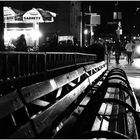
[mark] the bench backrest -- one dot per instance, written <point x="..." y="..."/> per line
<point x="33" y="109"/>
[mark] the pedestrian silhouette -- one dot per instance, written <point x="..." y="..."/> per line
<point x="108" y="50"/>
<point x="117" y="49"/>
<point x="21" y="43"/>
<point x="129" y="51"/>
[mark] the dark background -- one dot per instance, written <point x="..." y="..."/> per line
<point x="130" y="14"/>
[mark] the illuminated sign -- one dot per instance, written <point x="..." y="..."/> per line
<point x="38" y="15"/>
<point x="92" y="19"/>
<point x="32" y="15"/>
<point x="95" y="19"/>
<point x="117" y="15"/>
<point x="65" y="38"/>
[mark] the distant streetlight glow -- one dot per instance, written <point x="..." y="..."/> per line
<point x="85" y="31"/>
<point x="92" y="33"/>
<point x="35" y="35"/>
<point x="134" y="37"/>
<point x="138" y="49"/>
<point x="137" y="9"/>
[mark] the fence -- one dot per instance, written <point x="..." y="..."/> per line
<point x="19" y="64"/>
<point x="18" y="69"/>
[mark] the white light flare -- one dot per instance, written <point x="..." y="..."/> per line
<point x="85" y="31"/>
<point x="138" y="49"/>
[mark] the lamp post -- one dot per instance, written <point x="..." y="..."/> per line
<point x="86" y="32"/>
<point x="117" y="15"/>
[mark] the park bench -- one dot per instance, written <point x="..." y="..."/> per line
<point x="35" y="111"/>
<point x="109" y="111"/>
<point x="117" y="116"/>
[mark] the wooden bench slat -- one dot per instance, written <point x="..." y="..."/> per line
<point x="106" y="110"/>
<point x="113" y="119"/>
<point x="26" y="131"/>
<point x="10" y="103"/>
<point x="46" y="118"/>
<point x="84" y="101"/>
<point x="105" y="124"/>
<point x="97" y="123"/>
<point x="41" y="103"/>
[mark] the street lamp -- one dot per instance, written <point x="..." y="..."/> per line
<point x="85" y="31"/>
<point x="92" y="33"/>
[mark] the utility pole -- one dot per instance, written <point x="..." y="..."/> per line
<point x="82" y="23"/>
<point x="84" y="20"/>
<point x="1" y="27"/>
<point x="91" y="27"/>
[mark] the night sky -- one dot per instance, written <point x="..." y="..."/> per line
<point x="130" y="16"/>
<point x="27" y="5"/>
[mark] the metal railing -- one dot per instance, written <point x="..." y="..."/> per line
<point x="18" y="64"/>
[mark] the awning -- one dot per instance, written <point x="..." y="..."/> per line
<point x="38" y="15"/>
<point x="12" y="15"/>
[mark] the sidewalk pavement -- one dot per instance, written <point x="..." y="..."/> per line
<point x="132" y="70"/>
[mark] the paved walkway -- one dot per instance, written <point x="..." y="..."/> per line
<point x="132" y="71"/>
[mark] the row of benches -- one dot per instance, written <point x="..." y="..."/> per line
<point x="38" y="110"/>
<point x="110" y="110"/>
<point x="117" y="114"/>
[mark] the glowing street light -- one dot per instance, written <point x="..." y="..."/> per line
<point x="138" y="49"/>
<point x="92" y="33"/>
<point x="85" y="31"/>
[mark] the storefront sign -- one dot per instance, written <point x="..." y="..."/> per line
<point x="38" y="15"/>
<point x="65" y="38"/>
<point x="32" y="15"/>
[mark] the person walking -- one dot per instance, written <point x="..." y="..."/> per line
<point x="108" y="51"/>
<point x="129" y="51"/>
<point x="21" y="44"/>
<point x="117" y="49"/>
<point x="133" y="52"/>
